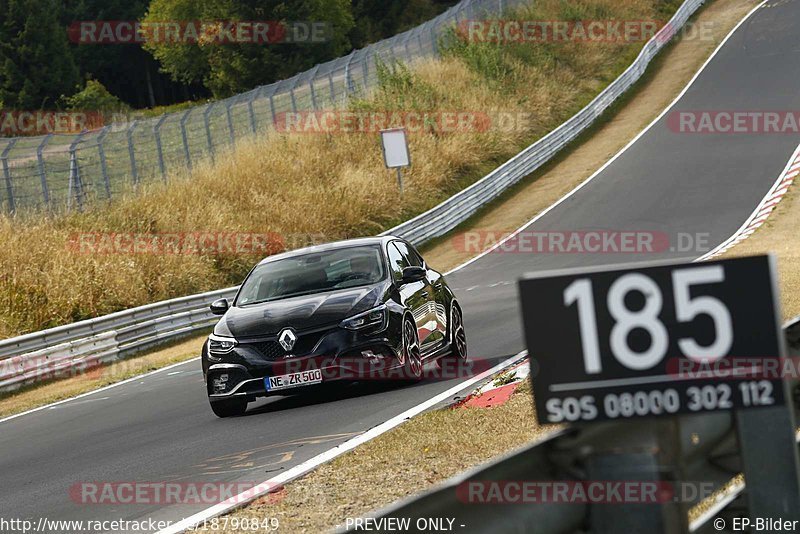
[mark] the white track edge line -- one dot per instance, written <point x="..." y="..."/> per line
<point x="500" y="243"/>
<point x="104" y="388"/>
<point x="622" y="151"/>
<point x="332" y="453"/>
<point x="738" y="235"/>
<point x="309" y="465"/>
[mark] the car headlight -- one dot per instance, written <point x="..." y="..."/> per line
<point x="376" y="317"/>
<point x="219" y="346"/>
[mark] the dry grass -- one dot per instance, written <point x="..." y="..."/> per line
<point x="346" y="487"/>
<point x="42" y="394"/>
<point x="538" y="191"/>
<point x="428" y="449"/>
<point x="330" y="186"/>
<point x="779" y="235"/>
<point x="672" y="71"/>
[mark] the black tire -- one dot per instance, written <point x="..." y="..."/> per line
<point x="229" y="407"/>
<point x="458" y="337"/>
<point x="412" y="358"/>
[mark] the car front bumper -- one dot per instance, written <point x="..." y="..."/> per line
<point x="243" y="373"/>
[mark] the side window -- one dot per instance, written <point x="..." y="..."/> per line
<point x="396" y="261"/>
<point x="415" y="257"/>
<point x="409" y="255"/>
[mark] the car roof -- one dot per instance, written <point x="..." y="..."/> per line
<point x="362" y="241"/>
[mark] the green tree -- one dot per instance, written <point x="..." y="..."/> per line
<point x="95" y="97"/>
<point x="126" y="70"/>
<point x="227" y="69"/>
<point x="36" y="65"/>
<point x="379" y="19"/>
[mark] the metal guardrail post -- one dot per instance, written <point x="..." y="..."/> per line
<point x="272" y="104"/>
<point x="459" y="12"/>
<point x="313" y="77"/>
<point x="349" y="87"/>
<point x="185" y="139"/>
<point x="434" y="39"/>
<point x="159" y="148"/>
<point x="75" y="182"/>
<point x="102" y="155"/>
<point x="291" y="93"/>
<point x="41" y="168"/>
<point x="365" y="68"/>
<point x="228" y="103"/>
<point x="207" y="126"/>
<point x="250" y="110"/>
<point x="420" y="42"/>
<point x="405" y="47"/>
<point x="131" y="153"/>
<point x="392" y="55"/>
<point x="7" y="175"/>
<point x="333" y="90"/>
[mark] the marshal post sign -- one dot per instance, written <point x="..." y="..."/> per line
<point x="617" y="343"/>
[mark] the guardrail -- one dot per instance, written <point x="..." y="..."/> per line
<point x="58" y="172"/>
<point x="696" y="452"/>
<point x="33" y="357"/>
<point x="458" y="208"/>
<point x="74" y="348"/>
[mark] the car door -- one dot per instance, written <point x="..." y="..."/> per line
<point x="440" y="297"/>
<point x="416" y="296"/>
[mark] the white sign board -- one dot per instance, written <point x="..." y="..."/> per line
<point x="395" y="148"/>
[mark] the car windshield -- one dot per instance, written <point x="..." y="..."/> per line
<point x="312" y="273"/>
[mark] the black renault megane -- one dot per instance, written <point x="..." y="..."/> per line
<point x="352" y="310"/>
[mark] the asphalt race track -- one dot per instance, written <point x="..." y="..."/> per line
<point x="160" y="428"/>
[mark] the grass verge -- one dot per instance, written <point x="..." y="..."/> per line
<point x="436" y="445"/>
<point x="427" y="449"/>
<point x="779" y="235"/>
<point x="669" y="74"/>
<point x="297" y="185"/>
<point x="45" y="281"/>
<point x="37" y="395"/>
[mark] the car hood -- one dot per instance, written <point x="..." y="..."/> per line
<point x="300" y="313"/>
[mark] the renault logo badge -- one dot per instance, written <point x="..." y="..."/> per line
<point x="287" y="339"/>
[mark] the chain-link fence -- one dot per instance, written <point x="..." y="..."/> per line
<point x="57" y="172"/>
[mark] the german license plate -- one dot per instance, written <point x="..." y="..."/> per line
<point x="293" y="380"/>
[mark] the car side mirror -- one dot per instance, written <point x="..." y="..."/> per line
<point x="219" y="307"/>
<point x="413" y="274"/>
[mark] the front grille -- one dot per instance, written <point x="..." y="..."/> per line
<point x="272" y="350"/>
